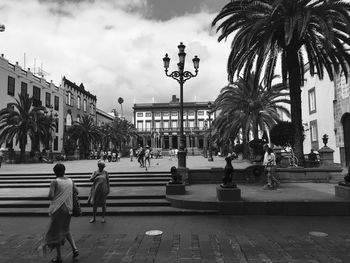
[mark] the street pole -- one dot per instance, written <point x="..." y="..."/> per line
<point x="181" y="76"/>
<point x="210" y="157"/>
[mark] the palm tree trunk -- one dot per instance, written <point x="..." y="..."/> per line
<point x="22" y="146"/>
<point x="295" y="102"/>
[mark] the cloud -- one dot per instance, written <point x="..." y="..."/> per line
<point x="114" y="50"/>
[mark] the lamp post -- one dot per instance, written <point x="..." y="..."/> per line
<point x="204" y="140"/>
<point x="210" y="157"/>
<point x="181" y="76"/>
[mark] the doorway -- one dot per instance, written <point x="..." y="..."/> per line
<point x="345" y="120"/>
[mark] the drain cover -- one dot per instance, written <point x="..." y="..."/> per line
<point x="318" y="234"/>
<point x="154" y="233"/>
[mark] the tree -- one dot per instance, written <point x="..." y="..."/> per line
<point x="121" y="101"/>
<point x="122" y="131"/>
<point x="247" y="106"/>
<point x="290" y="31"/>
<point x="84" y="133"/>
<point x="19" y="120"/>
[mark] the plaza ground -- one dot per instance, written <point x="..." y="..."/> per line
<point x="190" y="238"/>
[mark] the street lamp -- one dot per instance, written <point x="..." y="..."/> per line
<point x="181" y="76"/>
<point x="204" y="139"/>
<point x="210" y="157"/>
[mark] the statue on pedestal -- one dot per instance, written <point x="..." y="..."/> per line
<point x="228" y="173"/>
<point x="175" y="177"/>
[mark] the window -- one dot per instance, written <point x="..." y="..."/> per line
<point x="36" y="96"/>
<point x="157" y="114"/>
<point x="148" y="114"/>
<point x="84" y="105"/>
<point x="314" y="134"/>
<point x="191" y="113"/>
<point x="48" y="99"/>
<point x="166" y="125"/>
<point x="99" y="123"/>
<point x="78" y="103"/>
<point x="69" y="99"/>
<point x="91" y="109"/>
<point x="56" y="103"/>
<point x="166" y="113"/>
<point x="174" y="124"/>
<point x="313" y="131"/>
<point x="191" y="123"/>
<point x="139" y="114"/>
<point x="201" y="124"/>
<point x="201" y="112"/>
<point x="56" y="121"/>
<point x="174" y="113"/>
<point x="140" y="125"/>
<point x="148" y="125"/>
<point x="55" y="143"/>
<point x="157" y="124"/>
<point x="11" y="86"/>
<point x="24" y="88"/>
<point x="69" y="120"/>
<point x="312" y="101"/>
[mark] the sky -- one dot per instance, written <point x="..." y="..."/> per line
<point x="115" y="47"/>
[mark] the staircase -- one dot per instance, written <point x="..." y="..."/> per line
<point x="134" y="193"/>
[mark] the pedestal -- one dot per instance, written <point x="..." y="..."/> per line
<point x="326" y="156"/>
<point x="175" y="189"/>
<point x="228" y="194"/>
<point x="181" y="155"/>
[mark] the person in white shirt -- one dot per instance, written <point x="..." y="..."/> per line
<point x="270" y="167"/>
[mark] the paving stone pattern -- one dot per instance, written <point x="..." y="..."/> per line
<point x="185" y="247"/>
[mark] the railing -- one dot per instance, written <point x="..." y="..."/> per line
<point x="177" y="129"/>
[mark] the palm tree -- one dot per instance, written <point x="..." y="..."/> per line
<point x="290" y="31"/>
<point x="19" y="120"/>
<point x="122" y="131"/>
<point x="84" y="133"/>
<point x="246" y="106"/>
<point x="120" y="101"/>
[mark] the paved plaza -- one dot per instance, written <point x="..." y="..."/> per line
<point x="184" y="238"/>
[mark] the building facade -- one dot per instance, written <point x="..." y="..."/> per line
<point x="341" y="104"/>
<point x="317" y="113"/>
<point x="14" y="80"/>
<point x="158" y="124"/>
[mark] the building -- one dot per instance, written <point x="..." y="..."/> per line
<point x="103" y="117"/>
<point x="317" y="113"/>
<point x="14" y="80"/>
<point x="341" y="104"/>
<point x="158" y="124"/>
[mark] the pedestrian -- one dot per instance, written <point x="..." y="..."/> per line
<point x="131" y="154"/>
<point x="141" y="157"/>
<point x="60" y="210"/>
<point x="147" y="156"/>
<point x="270" y="168"/>
<point x="170" y="154"/>
<point x="109" y="155"/>
<point x="99" y="190"/>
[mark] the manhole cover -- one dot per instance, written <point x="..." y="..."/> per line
<point x="318" y="234"/>
<point x="154" y="233"/>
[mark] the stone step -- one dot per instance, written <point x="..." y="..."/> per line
<point x="83" y="203"/>
<point x="87" y="211"/>
<point x="84" y="176"/>
<point x="48" y="180"/>
<point x="87" y="184"/>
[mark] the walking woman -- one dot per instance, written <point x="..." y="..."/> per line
<point x="270" y="166"/>
<point x="99" y="190"/>
<point x="60" y="210"/>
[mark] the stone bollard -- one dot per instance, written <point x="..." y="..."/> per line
<point x="326" y="156"/>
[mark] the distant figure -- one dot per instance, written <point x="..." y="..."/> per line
<point x="147" y="156"/>
<point x="131" y="154"/>
<point x="175" y="153"/>
<point x="175" y="177"/>
<point x="60" y="210"/>
<point x="228" y="173"/>
<point x="141" y="157"/>
<point x="312" y="158"/>
<point x="109" y="155"/>
<point x="270" y="167"/>
<point x="99" y="190"/>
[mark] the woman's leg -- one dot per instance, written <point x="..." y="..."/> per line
<point x="94" y="209"/>
<point x="71" y="241"/>
<point x="58" y="252"/>
<point x="103" y="213"/>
